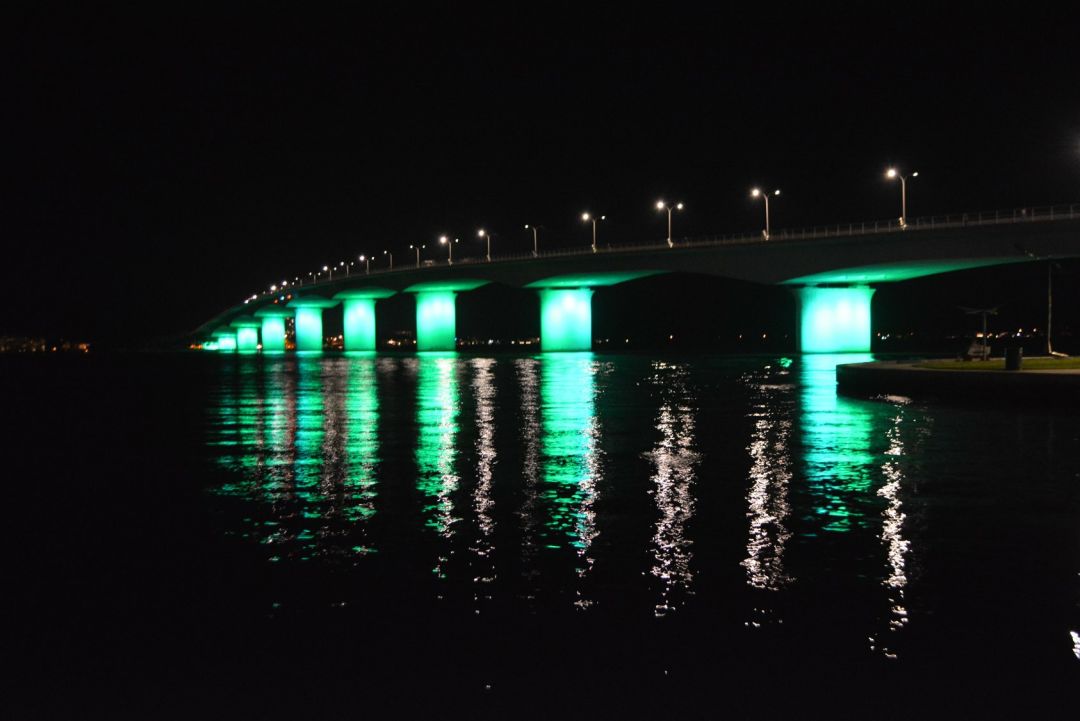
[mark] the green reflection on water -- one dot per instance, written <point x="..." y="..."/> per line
<point x="837" y="454"/>
<point x="437" y="410"/>
<point x="361" y="437"/>
<point x="568" y="448"/>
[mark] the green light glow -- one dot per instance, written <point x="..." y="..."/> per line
<point x="894" y="272"/>
<point x="226" y="341"/>
<point x="566" y="319"/>
<point x="247" y="339"/>
<point x="834" y="320"/>
<point x="359" y="324"/>
<point x="362" y="442"/>
<point x="591" y="280"/>
<point x="568" y="448"/>
<point x="309" y="333"/>
<point x="436" y="321"/>
<point x="437" y="410"/>
<point x="273" y="334"/>
<point x="458" y="286"/>
<point x="837" y="445"/>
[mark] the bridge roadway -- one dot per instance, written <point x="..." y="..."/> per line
<point x="832" y="272"/>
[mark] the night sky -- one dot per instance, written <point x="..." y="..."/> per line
<point x="160" y="168"/>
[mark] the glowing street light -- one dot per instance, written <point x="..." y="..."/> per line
<point x="417" y="248"/>
<point x="757" y="193"/>
<point x="367" y="263"/>
<point x="536" y="241"/>
<point x="894" y="173"/>
<point x="388" y="253"/>
<point x="661" y="205"/>
<point x="585" y="217"/>
<point x="486" y="235"/>
<point x="328" y="269"/>
<point x="443" y="240"/>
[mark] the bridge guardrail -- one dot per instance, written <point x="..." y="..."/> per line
<point x="839" y="230"/>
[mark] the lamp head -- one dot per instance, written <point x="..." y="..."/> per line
<point x="755" y="192"/>
<point x="660" y="205"/>
<point x="890" y="173"/>
<point x="585" y="216"/>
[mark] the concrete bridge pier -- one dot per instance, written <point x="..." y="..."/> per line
<point x="309" y="321"/>
<point x="273" y="327"/>
<point x="565" y="319"/>
<point x="833" y="318"/>
<point x="566" y="307"/>
<point x="247" y="334"/>
<point x="358" y="316"/>
<point x="226" y="340"/>
<point x="436" y="312"/>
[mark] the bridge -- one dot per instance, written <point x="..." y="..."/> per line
<point x="832" y="271"/>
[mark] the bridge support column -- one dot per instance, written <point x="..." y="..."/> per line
<point x="309" y="333"/>
<point x="834" y="319"/>
<point x="359" y="323"/>
<point x="273" y="334"/>
<point x="226" y="341"/>
<point x="309" y="326"/>
<point x="566" y="319"/>
<point x="358" y="316"/>
<point x="436" y="320"/>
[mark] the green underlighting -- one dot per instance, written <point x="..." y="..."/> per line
<point x="247" y="339"/>
<point x="226" y="341"/>
<point x="358" y="319"/>
<point x="436" y="320"/>
<point x="591" y="280"/>
<point x="895" y="272"/>
<point x="273" y="334"/>
<point x="309" y="332"/>
<point x="834" y="320"/>
<point x="457" y="286"/>
<point x="566" y="319"/>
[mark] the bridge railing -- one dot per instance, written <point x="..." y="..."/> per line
<point x="875" y="227"/>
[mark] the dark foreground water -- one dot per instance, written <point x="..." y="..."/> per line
<point x="561" y="536"/>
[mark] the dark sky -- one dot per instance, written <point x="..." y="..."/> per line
<point x="160" y="168"/>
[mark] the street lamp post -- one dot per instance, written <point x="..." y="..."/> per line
<point x="487" y="236"/>
<point x="417" y="248"/>
<point x="756" y="192"/>
<point x="536" y="239"/>
<point x="661" y="205"/>
<point x="391" y="255"/>
<point x="366" y="260"/>
<point x="328" y="269"/>
<point x="587" y="218"/>
<point x="449" y="248"/>
<point x="894" y="173"/>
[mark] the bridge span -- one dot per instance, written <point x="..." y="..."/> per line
<point x="832" y="271"/>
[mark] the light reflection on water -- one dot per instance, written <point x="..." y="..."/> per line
<point x="498" y="465"/>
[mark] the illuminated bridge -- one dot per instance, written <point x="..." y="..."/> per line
<point x="832" y="272"/>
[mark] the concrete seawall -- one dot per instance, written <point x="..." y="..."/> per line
<point x="1031" y="387"/>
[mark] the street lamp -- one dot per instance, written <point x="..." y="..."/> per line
<point x="387" y="252"/>
<point x="536" y="240"/>
<point x="661" y="205"/>
<point x="367" y="263"/>
<point x="757" y="193"/>
<point x="443" y="240"/>
<point x="893" y="173"/>
<point x="417" y="248"/>
<point x="585" y="217"/>
<point x="486" y="235"/>
<point x="327" y="268"/>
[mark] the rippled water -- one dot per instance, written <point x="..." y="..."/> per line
<point x="492" y="533"/>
